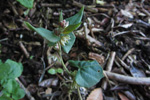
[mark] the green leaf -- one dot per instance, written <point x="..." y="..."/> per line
<point x="76" y="18"/>
<point x="89" y="72"/>
<point x="3" y="97"/>
<point x="10" y="86"/>
<point x="1" y="62"/>
<point x="18" y="94"/>
<point x="59" y="70"/>
<point x="13" y="88"/>
<point x="71" y="28"/>
<point x="52" y="71"/>
<point x="49" y="35"/>
<point x="16" y="68"/>
<point x="60" y="16"/>
<point x="4" y="71"/>
<point x="26" y="3"/>
<point x="69" y="44"/>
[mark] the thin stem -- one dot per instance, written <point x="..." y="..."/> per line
<point x="80" y="97"/>
<point x="69" y="97"/>
<point x="61" y="59"/>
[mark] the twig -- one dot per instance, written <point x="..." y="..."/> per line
<point x="111" y="60"/>
<point x="123" y="63"/>
<point x="24" y="49"/>
<point x="5" y="39"/>
<point x="94" y="10"/>
<point x="109" y="68"/>
<point x="128" y="79"/>
<point x="125" y="32"/>
<point x="30" y="97"/>
<point x="43" y="73"/>
<point x="142" y="38"/>
<point x="89" y="38"/>
<point x="129" y="52"/>
<point x="51" y="5"/>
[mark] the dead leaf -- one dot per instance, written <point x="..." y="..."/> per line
<point x="136" y="72"/>
<point x="101" y="2"/>
<point x="126" y="13"/>
<point x="97" y="57"/>
<point x="96" y="94"/>
<point x="149" y="20"/>
<point x="122" y="96"/>
<point x="48" y="91"/>
<point x="126" y="25"/>
<point x="49" y="82"/>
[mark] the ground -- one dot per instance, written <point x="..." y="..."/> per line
<point x="115" y="33"/>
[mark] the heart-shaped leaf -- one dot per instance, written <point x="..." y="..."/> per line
<point x="69" y="44"/>
<point x="16" y="69"/>
<point x="49" y="35"/>
<point x="26" y="3"/>
<point x="76" y="18"/>
<point x="89" y="72"/>
<point x="71" y="28"/>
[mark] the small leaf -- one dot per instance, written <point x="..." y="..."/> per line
<point x="4" y="71"/>
<point x="70" y="43"/>
<point x="0" y="61"/>
<point x="89" y="72"/>
<point x="71" y="28"/>
<point x="60" y="16"/>
<point x="10" y="86"/>
<point x="59" y="70"/>
<point x="122" y="96"/>
<point x="76" y="18"/>
<point x="3" y="97"/>
<point x="26" y="3"/>
<point x="18" y="94"/>
<point x="49" y="35"/>
<point x="16" y="68"/>
<point x="96" y="94"/>
<point x="52" y="71"/>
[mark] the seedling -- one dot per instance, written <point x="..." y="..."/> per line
<point x="54" y="71"/>
<point x="62" y="39"/>
<point x="10" y="89"/>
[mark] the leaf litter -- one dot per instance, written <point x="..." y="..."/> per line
<point x="112" y="26"/>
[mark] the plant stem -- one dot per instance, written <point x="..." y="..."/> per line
<point x="69" y="97"/>
<point x="60" y="54"/>
<point x="80" y="97"/>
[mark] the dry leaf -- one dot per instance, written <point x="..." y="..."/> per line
<point x="126" y="25"/>
<point x="126" y="13"/>
<point x="49" y="82"/>
<point x="101" y="2"/>
<point x="122" y="96"/>
<point x="149" y="20"/>
<point x="48" y="91"/>
<point x="95" y="56"/>
<point x="96" y="94"/>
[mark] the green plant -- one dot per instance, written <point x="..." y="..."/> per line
<point x="62" y="38"/>
<point x="10" y="89"/>
<point x="26" y="3"/>
<point x="55" y="71"/>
